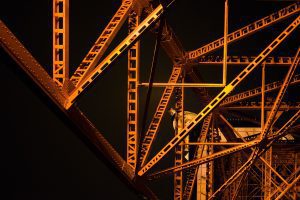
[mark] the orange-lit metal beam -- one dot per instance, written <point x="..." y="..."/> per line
<point x="179" y="107"/>
<point x="289" y="179"/>
<point x="260" y="149"/>
<point x="289" y="186"/>
<point x="132" y="94"/>
<point x="183" y="84"/>
<point x="120" y="49"/>
<point x="282" y="61"/>
<point x="78" y="120"/>
<point x="247" y="30"/>
<point x="286" y="106"/>
<point x="178" y="138"/>
<point x="160" y="110"/>
<point x="225" y="43"/>
<point x="257" y="91"/>
<point x="102" y="43"/>
<point x="192" y="173"/>
<point x="200" y="161"/>
<point x="214" y="143"/>
<point x="60" y="41"/>
<point x="287" y="80"/>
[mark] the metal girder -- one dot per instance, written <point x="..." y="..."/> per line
<point x="179" y="107"/>
<point x="98" y="143"/>
<point x="288" y="179"/>
<point x="257" y="91"/>
<point x="282" y="61"/>
<point x="99" y="47"/>
<point x="286" y="106"/>
<point x="169" y="41"/>
<point x="60" y="41"/>
<point x="203" y="160"/>
<point x="281" y="93"/>
<point x="120" y="49"/>
<point x="247" y="30"/>
<point x="192" y="173"/>
<point x="289" y="186"/>
<point x="133" y="94"/>
<point x="261" y="148"/>
<point x="159" y="113"/>
<point x="178" y="138"/>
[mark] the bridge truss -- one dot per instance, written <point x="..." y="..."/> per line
<point x="223" y="161"/>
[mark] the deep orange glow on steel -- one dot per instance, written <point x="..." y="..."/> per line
<point x="103" y="42"/>
<point x="257" y="91"/>
<point x="259" y="150"/>
<point x="159" y="113"/>
<point x="179" y="107"/>
<point x="133" y="94"/>
<point x="60" y="41"/>
<point x="221" y="96"/>
<point x="200" y="161"/>
<point x="123" y="46"/>
<point x="247" y="30"/>
<point x="283" y="61"/>
<point x="225" y="43"/>
<point x="192" y="172"/>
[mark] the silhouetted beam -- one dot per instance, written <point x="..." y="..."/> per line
<point x="169" y="41"/>
<point x="75" y="118"/>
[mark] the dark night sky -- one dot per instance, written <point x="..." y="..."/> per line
<point x="42" y="158"/>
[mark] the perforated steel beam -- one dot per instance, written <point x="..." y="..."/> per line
<point x="282" y="61"/>
<point x="257" y="91"/>
<point x="133" y="94"/>
<point x="178" y="138"/>
<point x="120" y="49"/>
<point x="247" y="30"/>
<point x="102" y="43"/>
<point x="159" y="113"/>
<point x="60" y="41"/>
<point x="77" y="119"/>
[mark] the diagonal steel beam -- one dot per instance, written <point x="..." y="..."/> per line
<point x="229" y="88"/>
<point x="257" y="91"/>
<point x="102" y="43"/>
<point x="246" y="30"/>
<point x="74" y="117"/>
<point x="119" y="50"/>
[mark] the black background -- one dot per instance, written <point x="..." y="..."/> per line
<point x="41" y="157"/>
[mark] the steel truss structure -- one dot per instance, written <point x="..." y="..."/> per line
<point x="223" y="162"/>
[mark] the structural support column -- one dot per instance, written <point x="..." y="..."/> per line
<point x="268" y="175"/>
<point x="179" y="107"/>
<point x="60" y="41"/>
<point x="132" y="94"/>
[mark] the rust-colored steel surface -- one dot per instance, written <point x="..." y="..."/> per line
<point x="241" y="141"/>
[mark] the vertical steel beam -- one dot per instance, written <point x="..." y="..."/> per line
<point x="195" y="172"/>
<point x="225" y="43"/>
<point x="179" y="107"/>
<point x="119" y="50"/>
<point x="289" y="186"/>
<point x="158" y="115"/>
<point x="267" y="174"/>
<point x="132" y="94"/>
<point x="60" y="41"/>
